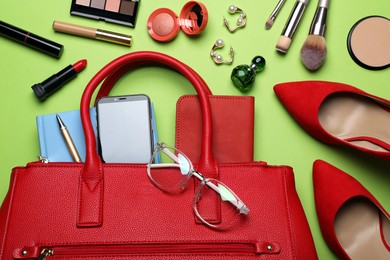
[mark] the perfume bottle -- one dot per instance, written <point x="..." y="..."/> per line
<point x="243" y="76"/>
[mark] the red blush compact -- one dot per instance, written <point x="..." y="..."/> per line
<point x="164" y="25"/>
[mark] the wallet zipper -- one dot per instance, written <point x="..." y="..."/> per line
<point x="45" y="252"/>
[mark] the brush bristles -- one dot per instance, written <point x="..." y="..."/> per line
<point x="283" y="44"/>
<point x="313" y="52"/>
<point x="268" y="24"/>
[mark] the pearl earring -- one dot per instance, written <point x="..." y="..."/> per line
<point x="218" y="59"/>
<point x="241" y="21"/>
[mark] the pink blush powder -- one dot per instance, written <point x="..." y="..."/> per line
<point x="163" y="24"/>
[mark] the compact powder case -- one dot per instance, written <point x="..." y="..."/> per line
<point x="164" y="25"/>
<point x="116" y="11"/>
<point x="369" y="42"/>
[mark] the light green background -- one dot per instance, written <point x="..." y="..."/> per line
<point x="278" y="138"/>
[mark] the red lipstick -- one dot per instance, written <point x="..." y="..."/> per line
<point x="53" y="83"/>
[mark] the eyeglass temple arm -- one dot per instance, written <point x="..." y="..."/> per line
<point x="237" y="202"/>
<point x="164" y="165"/>
<point x="171" y="155"/>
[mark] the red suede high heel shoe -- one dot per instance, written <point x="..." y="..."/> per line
<point x="340" y="114"/>
<point x="352" y="221"/>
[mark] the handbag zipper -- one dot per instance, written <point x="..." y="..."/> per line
<point x="43" y="252"/>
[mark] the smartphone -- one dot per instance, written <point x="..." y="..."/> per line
<point x="125" y="133"/>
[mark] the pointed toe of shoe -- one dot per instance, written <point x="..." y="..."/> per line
<point x="336" y="193"/>
<point x="303" y="99"/>
<point x="326" y="208"/>
<point x="339" y="114"/>
<point x="293" y="95"/>
<point x="332" y="188"/>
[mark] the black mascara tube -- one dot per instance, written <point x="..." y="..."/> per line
<point x="31" y="40"/>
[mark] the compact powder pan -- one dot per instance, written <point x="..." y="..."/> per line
<point x="369" y="42"/>
<point x="116" y="11"/>
<point x="164" y="25"/>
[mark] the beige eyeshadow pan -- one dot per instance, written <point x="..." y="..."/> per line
<point x="369" y="42"/>
<point x="84" y="2"/>
<point x="116" y="11"/>
<point x="113" y="5"/>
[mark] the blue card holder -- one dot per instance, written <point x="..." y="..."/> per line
<point x="52" y="144"/>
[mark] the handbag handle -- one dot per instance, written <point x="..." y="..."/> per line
<point x="110" y="81"/>
<point x="90" y="204"/>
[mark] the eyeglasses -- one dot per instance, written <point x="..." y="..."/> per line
<point x="176" y="178"/>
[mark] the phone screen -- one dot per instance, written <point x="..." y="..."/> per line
<point x="124" y="129"/>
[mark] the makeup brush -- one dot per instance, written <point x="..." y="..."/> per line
<point x="313" y="52"/>
<point x="292" y="24"/>
<point x="272" y="17"/>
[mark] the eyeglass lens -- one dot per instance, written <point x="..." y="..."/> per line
<point x="180" y="170"/>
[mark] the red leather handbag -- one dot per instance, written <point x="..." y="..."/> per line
<point x="95" y="210"/>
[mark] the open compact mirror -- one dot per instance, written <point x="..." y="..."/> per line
<point x="369" y="42"/>
<point x="164" y="25"/>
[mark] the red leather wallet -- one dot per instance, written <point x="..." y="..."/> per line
<point x="232" y="122"/>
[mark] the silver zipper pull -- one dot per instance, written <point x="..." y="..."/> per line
<point x="45" y="253"/>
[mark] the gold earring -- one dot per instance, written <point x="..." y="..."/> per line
<point x="218" y="59"/>
<point x="241" y="21"/>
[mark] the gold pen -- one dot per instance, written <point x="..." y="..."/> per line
<point x="68" y="140"/>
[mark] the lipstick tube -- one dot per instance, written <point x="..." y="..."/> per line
<point x="53" y="83"/>
<point x="93" y="33"/>
<point x="31" y="40"/>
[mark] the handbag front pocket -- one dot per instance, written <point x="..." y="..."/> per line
<point x="147" y="249"/>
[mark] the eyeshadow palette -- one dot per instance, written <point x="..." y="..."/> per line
<point x="116" y="11"/>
